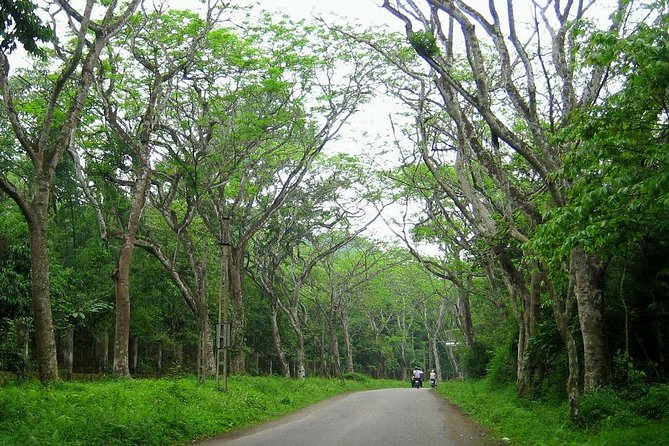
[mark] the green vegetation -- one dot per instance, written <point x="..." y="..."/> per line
<point x="196" y="171"/>
<point x="608" y="417"/>
<point x="154" y="412"/>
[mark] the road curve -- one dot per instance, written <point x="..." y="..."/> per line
<point x="388" y="417"/>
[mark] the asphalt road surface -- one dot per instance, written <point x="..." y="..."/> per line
<point x="388" y="417"/>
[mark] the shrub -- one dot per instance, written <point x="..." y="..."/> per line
<point x="503" y="363"/>
<point x="600" y="405"/>
<point x="355" y="376"/>
<point x="655" y="404"/>
<point x="624" y="372"/>
<point x="475" y="361"/>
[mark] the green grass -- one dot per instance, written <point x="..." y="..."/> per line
<point x="610" y="419"/>
<point x="154" y="412"/>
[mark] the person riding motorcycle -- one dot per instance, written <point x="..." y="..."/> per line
<point x="417" y="377"/>
<point x="433" y="378"/>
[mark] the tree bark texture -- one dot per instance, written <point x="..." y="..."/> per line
<point x="562" y="310"/>
<point x="346" y="333"/>
<point x="238" y="360"/>
<point x="276" y="338"/>
<point x="588" y="271"/>
<point x="103" y="352"/>
<point x="45" y="341"/>
<point x="67" y="344"/>
<point x="465" y="316"/>
<point x="121" y="275"/>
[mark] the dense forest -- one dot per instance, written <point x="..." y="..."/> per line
<point x="165" y="172"/>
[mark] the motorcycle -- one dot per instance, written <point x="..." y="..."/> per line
<point x="433" y="383"/>
<point x="416" y="383"/>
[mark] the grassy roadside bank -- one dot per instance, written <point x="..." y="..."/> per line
<point x="154" y="412"/>
<point x="609" y="418"/>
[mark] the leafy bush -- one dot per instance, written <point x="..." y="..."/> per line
<point x="355" y="376"/>
<point x="600" y="405"/>
<point x="655" y="404"/>
<point x="503" y="363"/>
<point x="475" y="361"/>
<point x="624" y="372"/>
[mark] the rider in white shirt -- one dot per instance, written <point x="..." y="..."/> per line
<point x="418" y="374"/>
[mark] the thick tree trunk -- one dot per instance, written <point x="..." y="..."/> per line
<point x="45" y="340"/>
<point x="208" y="363"/>
<point x="276" y="338"/>
<point x="587" y="271"/>
<point x="121" y="275"/>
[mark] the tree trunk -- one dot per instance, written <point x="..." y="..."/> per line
<point x="405" y="364"/>
<point x="563" y="314"/>
<point x="45" y="340"/>
<point x="588" y="273"/>
<point x="524" y="310"/>
<point x="238" y="360"/>
<point x="103" y="352"/>
<point x="135" y="353"/>
<point x="276" y="337"/>
<point x="325" y="368"/>
<point x="434" y="350"/>
<point x="22" y="341"/>
<point x="465" y="317"/>
<point x="121" y="275"/>
<point x="179" y="353"/>
<point x="347" y="342"/>
<point x="159" y="360"/>
<point x="301" y="359"/>
<point x="208" y="362"/>
<point x="334" y="349"/>
<point x="454" y="363"/>
<point x="67" y="344"/>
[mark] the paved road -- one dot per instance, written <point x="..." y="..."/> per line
<point x="389" y="417"/>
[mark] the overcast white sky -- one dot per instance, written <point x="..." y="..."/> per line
<point x="368" y="12"/>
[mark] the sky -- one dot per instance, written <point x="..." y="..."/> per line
<point x="368" y="12"/>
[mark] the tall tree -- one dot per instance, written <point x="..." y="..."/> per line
<point x="134" y="92"/>
<point x="543" y="94"/>
<point x="279" y="125"/>
<point x="45" y="138"/>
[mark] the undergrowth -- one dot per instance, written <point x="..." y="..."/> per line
<point x="608" y="416"/>
<point x="153" y="412"/>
